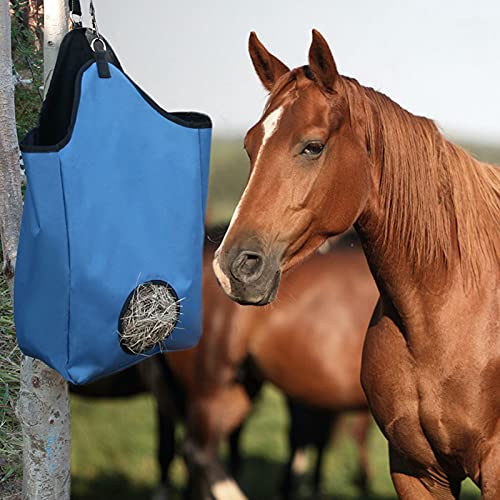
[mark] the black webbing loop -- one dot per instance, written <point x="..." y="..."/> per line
<point x="99" y="48"/>
<point x="75" y="7"/>
<point x="96" y="42"/>
<point x="75" y="13"/>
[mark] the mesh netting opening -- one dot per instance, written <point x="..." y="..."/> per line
<point x="148" y="317"/>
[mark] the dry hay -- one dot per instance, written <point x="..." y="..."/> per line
<point x="149" y="317"/>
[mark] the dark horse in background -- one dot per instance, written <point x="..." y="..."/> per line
<point x="329" y="153"/>
<point x="211" y="387"/>
<point x="308" y="344"/>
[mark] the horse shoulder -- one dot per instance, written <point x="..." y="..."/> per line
<point x="389" y="381"/>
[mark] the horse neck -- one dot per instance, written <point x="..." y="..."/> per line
<point x="417" y="234"/>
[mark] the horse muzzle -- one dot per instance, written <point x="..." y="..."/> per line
<point x="247" y="275"/>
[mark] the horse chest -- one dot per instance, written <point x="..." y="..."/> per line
<point x="445" y="422"/>
<point x="424" y="414"/>
<point x="389" y="380"/>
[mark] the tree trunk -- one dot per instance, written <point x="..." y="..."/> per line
<point x="43" y="407"/>
<point x="10" y="179"/>
<point x="43" y="410"/>
<point x="55" y="26"/>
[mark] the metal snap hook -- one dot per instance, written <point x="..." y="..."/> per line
<point x="76" y="19"/>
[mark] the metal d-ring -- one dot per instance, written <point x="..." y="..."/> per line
<point x="98" y="39"/>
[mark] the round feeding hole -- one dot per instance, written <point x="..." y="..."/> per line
<point x="148" y="317"/>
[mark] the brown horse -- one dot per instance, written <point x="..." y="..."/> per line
<point x="308" y="344"/>
<point x="211" y="387"/>
<point x="328" y="153"/>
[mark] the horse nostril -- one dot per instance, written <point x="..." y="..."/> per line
<point x="247" y="266"/>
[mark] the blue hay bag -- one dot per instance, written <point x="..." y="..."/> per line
<point x="115" y="198"/>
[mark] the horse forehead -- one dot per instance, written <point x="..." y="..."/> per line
<point x="310" y="108"/>
<point x="260" y="133"/>
<point x="268" y="127"/>
<point x="270" y="123"/>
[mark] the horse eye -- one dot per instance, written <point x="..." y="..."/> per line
<point x="313" y="149"/>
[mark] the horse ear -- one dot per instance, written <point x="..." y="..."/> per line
<point x="268" y="67"/>
<point x="321" y="61"/>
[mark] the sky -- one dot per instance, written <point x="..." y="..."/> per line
<point x="439" y="58"/>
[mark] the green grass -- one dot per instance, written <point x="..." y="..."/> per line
<point x="113" y="442"/>
<point x="113" y="455"/>
<point x="228" y="175"/>
<point x="10" y="436"/>
<point x="113" y="448"/>
<point x="229" y="172"/>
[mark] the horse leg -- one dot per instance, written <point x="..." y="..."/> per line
<point x="360" y="430"/>
<point x="328" y="428"/>
<point x="250" y="377"/>
<point x="155" y="375"/>
<point x="199" y="458"/>
<point x="288" y="476"/>
<point x="297" y="441"/>
<point x="165" y="451"/>
<point x="211" y="418"/>
<point x="234" y="452"/>
<point x="414" y="484"/>
<point x="207" y="477"/>
<point x="317" y="470"/>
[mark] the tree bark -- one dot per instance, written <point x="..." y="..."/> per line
<point x="10" y="179"/>
<point x="43" y="410"/>
<point x="55" y="26"/>
<point x="43" y="406"/>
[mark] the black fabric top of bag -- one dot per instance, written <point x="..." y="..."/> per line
<point x="58" y="111"/>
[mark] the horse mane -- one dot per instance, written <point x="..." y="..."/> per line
<point x="437" y="199"/>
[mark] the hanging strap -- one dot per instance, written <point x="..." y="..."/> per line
<point x="97" y="43"/>
<point x="75" y="10"/>
<point x="94" y="20"/>
<point x="75" y="7"/>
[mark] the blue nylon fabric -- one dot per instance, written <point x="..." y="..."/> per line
<point x="123" y="202"/>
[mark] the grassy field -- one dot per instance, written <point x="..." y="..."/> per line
<point x="10" y="438"/>
<point x="113" y="441"/>
<point x="229" y="172"/>
<point x="113" y="454"/>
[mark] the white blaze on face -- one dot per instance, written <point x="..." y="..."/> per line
<point x="270" y="125"/>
